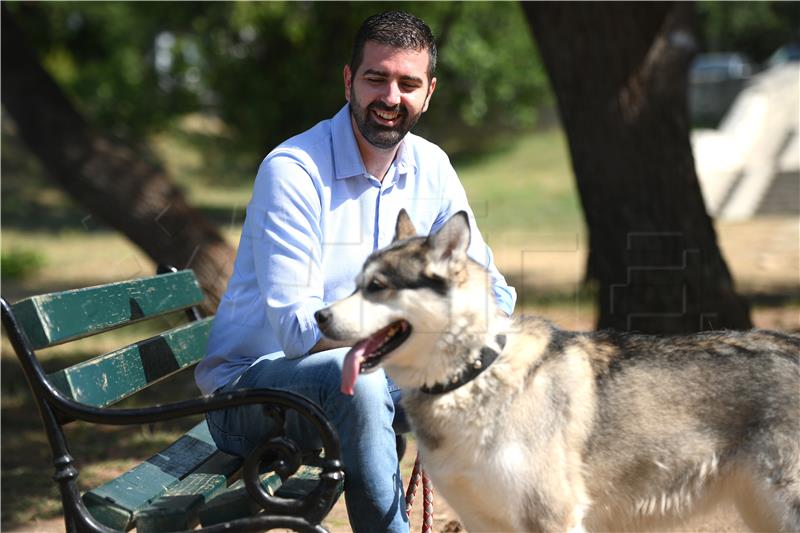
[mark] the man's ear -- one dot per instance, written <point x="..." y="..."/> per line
<point x="431" y="88"/>
<point x="348" y="81"/>
<point x="404" y="228"/>
<point x="450" y="243"/>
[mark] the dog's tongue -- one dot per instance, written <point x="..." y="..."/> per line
<point x="352" y="361"/>
<point x="351" y="368"/>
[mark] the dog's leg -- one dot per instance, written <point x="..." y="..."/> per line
<point x="477" y="512"/>
<point x="480" y="520"/>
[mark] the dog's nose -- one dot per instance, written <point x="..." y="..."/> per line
<point x="323" y="316"/>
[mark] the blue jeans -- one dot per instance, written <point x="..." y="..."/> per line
<point x="373" y="488"/>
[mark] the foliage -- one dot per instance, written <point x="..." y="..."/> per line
<point x="526" y="189"/>
<point x="102" y="54"/>
<point x="270" y="70"/>
<point x="18" y="263"/>
<point x="491" y="80"/>
<point x="755" y="28"/>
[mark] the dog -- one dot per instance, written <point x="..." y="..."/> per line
<point x="525" y="427"/>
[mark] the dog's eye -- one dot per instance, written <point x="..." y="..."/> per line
<point x="376" y="286"/>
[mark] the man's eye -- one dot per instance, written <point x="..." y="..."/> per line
<point x="375" y="286"/>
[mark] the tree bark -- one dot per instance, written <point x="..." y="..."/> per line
<point x="619" y="72"/>
<point x="107" y="176"/>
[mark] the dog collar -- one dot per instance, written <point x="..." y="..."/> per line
<point x="487" y="357"/>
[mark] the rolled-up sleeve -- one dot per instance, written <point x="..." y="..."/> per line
<point x="455" y="200"/>
<point x="283" y="226"/>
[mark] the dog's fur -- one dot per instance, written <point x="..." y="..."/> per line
<point x="577" y="431"/>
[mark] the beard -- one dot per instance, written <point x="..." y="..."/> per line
<point x="376" y="134"/>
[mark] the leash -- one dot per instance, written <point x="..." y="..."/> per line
<point x="427" y="495"/>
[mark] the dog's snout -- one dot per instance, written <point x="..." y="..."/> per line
<point x="323" y="316"/>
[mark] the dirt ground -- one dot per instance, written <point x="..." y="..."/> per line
<point x="764" y="256"/>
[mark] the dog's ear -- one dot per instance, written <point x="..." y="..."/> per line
<point x="452" y="240"/>
<point x="404" y="228"/>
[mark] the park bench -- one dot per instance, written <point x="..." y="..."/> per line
<point x="190" y="482"/>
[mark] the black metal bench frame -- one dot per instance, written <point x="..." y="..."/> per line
<point x="279" y="453"/>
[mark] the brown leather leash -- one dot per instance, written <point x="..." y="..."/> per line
<point x="427" y="495"/>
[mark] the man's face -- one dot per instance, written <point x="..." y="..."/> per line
<point x="388" y="93"/>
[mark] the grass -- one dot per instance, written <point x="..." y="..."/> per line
<point x="20" y="263"/>
<point x="525" y="189"/>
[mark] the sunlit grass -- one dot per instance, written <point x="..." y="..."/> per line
<point x="528" y="188"/>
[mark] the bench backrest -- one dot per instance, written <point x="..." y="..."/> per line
<point x="56" y="318"/>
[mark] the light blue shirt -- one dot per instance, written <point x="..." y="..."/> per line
<point x="314" y="217"/>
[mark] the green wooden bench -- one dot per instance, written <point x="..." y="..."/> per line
<point x="190" y="482"/>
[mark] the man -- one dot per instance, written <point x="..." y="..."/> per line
<point x="322" y="202"/>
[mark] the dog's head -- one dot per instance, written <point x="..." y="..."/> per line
<point x="405" y="302"/>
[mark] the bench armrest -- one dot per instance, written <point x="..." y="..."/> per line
<point x="284" y="455"/>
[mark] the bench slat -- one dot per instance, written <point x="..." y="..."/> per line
<point x="235" y="503"/>
<point x="115" y="502"/>
<point x="59" y="317"/>
<point x="177" y="508"/>
<point x="109" y="378"/>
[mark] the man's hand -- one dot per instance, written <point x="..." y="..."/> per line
<point x="328" y="344"/>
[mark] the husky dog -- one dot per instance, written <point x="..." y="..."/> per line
<point x="524" y="427"/>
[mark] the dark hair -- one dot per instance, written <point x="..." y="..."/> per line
<point x="397" y="29"/>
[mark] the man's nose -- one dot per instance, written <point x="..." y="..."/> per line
<point x="391" y="96"/>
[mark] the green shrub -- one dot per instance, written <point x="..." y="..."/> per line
<point x="18" y="263"/>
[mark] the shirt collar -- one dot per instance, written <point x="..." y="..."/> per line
<point x="346" y="157"/>
<point x="347" y="161"/>
<point x="405" y="163"/>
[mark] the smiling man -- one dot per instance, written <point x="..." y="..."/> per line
<point x="322" y="202"/>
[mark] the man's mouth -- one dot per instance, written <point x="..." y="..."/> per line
<point x="367" y="353"/>
<point x="386" y="118"/>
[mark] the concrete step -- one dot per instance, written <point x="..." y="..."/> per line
<point x="783" y="195"/>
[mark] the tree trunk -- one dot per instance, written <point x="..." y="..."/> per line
<point x="619" y="71"/>
<point x="106" y="176"/>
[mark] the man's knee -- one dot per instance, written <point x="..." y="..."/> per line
<point x="372" y="387"/>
